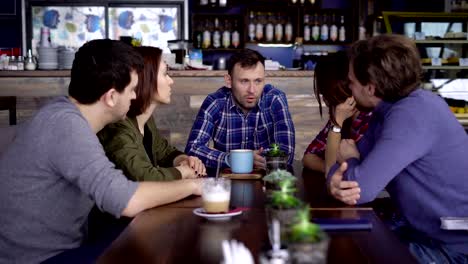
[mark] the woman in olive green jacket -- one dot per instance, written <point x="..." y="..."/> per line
<point x="134" y="144"/>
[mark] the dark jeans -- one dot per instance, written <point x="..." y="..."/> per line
<point x="424" y="249"/>
<point x="103" y="229"/>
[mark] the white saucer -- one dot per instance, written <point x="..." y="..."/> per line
<point x="215" y="217"/>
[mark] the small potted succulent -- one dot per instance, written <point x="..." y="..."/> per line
<point x="276" y="159"/>
<point x="273" y="179"/>
<point x="282" y="204"/>
<point x="307" y="243"/>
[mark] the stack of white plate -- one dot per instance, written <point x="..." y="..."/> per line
<point x="48" y="58"/>
<point x="65" y="58"/>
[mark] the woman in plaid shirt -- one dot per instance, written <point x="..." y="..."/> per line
<point x="346" y="121"/>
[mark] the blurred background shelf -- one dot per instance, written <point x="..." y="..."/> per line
<point x="446" y="67"/>
<point x="441" y="41"/>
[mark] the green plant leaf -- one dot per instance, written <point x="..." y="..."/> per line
<point x="275" y="151"/>
<point x="284" y="200"/>
<point x="303" y="230"/>
<point x="279" y="175"/>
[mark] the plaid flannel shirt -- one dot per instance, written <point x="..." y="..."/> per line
<point x="358" y="128"/>
<point x="223" y="122"/>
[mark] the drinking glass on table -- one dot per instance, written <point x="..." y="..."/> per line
<point x="216" y="194"/>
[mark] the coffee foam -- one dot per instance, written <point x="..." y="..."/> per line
<point x="216" y="196"/>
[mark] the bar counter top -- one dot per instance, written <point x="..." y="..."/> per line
<point x="187" y="73"/>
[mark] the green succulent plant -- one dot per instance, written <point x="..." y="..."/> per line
<point x="284" y="197"/>
<point x="303" y="230"/>
<point x="275" y="151"/>
<point x="278" y="176"/>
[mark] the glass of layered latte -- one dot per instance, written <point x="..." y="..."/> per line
<point x="216" y="195"/>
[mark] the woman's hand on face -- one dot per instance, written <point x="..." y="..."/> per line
<point x="345" y="110"/>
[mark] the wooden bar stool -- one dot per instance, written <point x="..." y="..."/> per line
<point x="9" y="103"/>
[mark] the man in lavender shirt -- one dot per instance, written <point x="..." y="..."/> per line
<point x="414" y="147"/>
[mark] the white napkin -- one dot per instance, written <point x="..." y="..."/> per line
<point x="235" y="252"/>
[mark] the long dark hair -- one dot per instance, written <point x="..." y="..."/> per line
<point x="331" y="81"/>
<point x="147" y="80"/>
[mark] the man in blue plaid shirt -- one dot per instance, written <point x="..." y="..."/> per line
<point x="245" y="114"/>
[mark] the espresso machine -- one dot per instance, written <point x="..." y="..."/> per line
<point x="180" y="47"/>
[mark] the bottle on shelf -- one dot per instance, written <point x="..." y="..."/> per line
<point x="324" y="29"/>
<point x="316" y="29"/>
<point x="30" y="63"/>
<point x="298" y="52"/>
<point x="198" y="36"/>
<point x="251" y="26"/>
<point x="279" y="32"/>
<point x="259" y="28"/>
<point x="216" y="35"/>
<point x="206" y="36"/>
<point x="45" y="37"/>
<point x="235" y="37"/>
<point x="269" y="29"/>
<point x="13" y="64"/>
<point x="288" y="31"/>
<point x="333" y="29"/>
<point x="342" y="30"/>
<point x="306" y="28"/>
<point x="20" y="63"/>
<point x="377" y="22"/>
<point x="222" y="3"/>
<point x="361" y="30"/>
<point x="226" y="37"/>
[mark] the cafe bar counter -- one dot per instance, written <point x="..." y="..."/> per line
<point x="51" y="83"/>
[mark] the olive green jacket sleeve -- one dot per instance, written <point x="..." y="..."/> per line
<point x="123" y="144"/>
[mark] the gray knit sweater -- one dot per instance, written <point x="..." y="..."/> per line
<point x="50" y="178"/>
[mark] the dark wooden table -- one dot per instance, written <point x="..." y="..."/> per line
<point x="173" y="234"/>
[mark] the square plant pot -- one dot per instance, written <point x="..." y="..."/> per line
<point x="285" y="218"/>
<point x="311" y="253"/>
<point x="276" y="163"/>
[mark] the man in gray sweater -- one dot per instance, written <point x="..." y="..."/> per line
<point x="56" y="170"/>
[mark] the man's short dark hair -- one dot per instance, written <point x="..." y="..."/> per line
<point x="100" y="65"/>
<point x="390" y="62"/>
<point x="246" y="58"/>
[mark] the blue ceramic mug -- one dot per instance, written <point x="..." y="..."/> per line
<point x="240" y="160"/>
